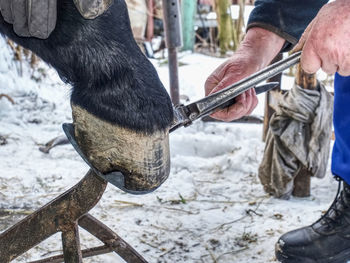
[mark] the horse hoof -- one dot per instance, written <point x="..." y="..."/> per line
<point x="144" y="159"/>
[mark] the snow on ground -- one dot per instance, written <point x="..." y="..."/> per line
<point x="211" y="209"/>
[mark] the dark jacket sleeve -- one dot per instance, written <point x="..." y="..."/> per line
<point x="286" y="18"/>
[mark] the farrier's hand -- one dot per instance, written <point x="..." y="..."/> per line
<point x="326" y="41"/>
<point x="256" y="51"/>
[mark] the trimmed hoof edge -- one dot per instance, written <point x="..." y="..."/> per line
<point x="144" y="159"/>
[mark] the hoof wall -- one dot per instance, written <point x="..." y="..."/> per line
<point x="143" y="159"/>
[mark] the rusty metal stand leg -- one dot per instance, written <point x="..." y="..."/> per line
<point x="62" y="215"/>
<point x="113" y="243"/>
<point x="71" y="245"/>
<point x="107" y="236"/>
<point x="52" y="217"/>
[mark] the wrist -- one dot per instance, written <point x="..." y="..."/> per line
<point x="263" y="45"/>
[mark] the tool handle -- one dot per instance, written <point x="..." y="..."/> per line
<point x="258" y="90"/>
<point x="185" y="115"/>
<point x="209" y="104"/>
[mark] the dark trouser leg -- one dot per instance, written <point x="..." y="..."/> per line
<point x="328" y="239"/>
<point x="341" y="119"/>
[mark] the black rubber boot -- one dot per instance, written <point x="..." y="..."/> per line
<point x="325" y="241"/>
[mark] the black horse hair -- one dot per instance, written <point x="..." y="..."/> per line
<point x="109" y="75"/>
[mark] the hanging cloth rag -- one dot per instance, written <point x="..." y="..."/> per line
<point x="299" y="136"/>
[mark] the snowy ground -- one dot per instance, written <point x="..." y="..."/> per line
<point x="211" y="209"/>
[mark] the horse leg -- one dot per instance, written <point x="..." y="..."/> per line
<point x="121" y="110"/>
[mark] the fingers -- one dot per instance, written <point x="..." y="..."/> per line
<point x="245" y="104"/>
<point x="225" y="75"/>
<point x="217" y="78"/>
<point x="329" y="67"/>
<point x="249" y="101"/>
<point x="210" y="83"/>
<point x="322" y="45"/>
<point x="310" y="61"/>
<point x="344" y="70"/>
<point x="254" y="102"/>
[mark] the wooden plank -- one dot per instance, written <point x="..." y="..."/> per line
<point x="268" y="99"/>
<point x="302" y="183"/>
<point x="302" y="180"/>
<point x="150" y="22"/>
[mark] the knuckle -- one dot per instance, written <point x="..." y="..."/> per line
<point x="210" y="81"/>
<point x="329" y="71"/>
<point x="307" y="67"/>
<point x="344" y="69"/>
<point x="344" y="72"/>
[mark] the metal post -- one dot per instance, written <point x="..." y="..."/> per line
<point x="172" y="26"/>
<point x="174" y="76"/>
<point x="52" y="217"/>
<point x="63" y="214"/>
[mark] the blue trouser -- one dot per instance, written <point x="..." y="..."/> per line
<point x="341" y="149"/>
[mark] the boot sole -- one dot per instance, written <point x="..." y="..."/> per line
<point x="343" y="257"/>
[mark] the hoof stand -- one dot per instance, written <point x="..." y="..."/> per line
<point x="143" y="159"/>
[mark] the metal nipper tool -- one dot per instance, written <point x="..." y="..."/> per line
<point x="184" y="115"/>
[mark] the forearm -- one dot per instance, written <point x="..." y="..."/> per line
<point x="262" y="44"/>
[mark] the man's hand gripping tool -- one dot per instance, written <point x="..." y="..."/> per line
<point x="186" y="114"/>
